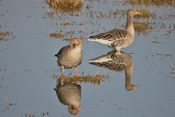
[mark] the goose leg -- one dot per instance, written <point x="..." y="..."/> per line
<point x="63" y="70"/>
<point x="76" y="71"/>
<point x="118" y="52"/>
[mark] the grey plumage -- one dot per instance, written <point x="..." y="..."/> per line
<point x="69" y="94"/>
<point x="71" y="55"/>
<point x="68" y="58"/>
<point x="111" y="35"/>
<point x="118" y="38"/>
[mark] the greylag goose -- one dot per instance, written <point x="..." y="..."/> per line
<point x="118" y="62"/>
<point x="69" y="94"/>
<point x="70" y="56"/>
<point x="118" y="38"/>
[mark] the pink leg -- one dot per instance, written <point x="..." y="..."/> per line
<point x="76" y="71"/>
<point x="63" y="70"/>
<point x="62" y="81"/>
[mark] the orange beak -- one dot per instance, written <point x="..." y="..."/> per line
<point x="135" y="87"/>
<point x="80" y="45"/>
<point x="79" y="107"/>
<point x="137" y="13"/>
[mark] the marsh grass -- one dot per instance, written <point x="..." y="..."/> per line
<point x="143" y="26"/>
<point x="5" y="34"/>
<point x="151" y="2"/>
<point x="146" y="14"/>
<point x="65" y="5"/>
<point x="96" y="79"/>
<point x="56" y="35"/>
<point x="67" y="35"/>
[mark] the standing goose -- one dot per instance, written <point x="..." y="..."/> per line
<point x="118" y="38"/>
<point x="70" y="56"/>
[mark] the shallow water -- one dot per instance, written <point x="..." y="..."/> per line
<point x="27" y="61"/>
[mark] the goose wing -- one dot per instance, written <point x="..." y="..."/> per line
<point x="112" y="35"/>
<point x="62" y="50"/>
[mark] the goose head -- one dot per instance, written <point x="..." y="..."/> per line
<point x="75" y="43"/>
<point x="132" y="12"/>
<point x="74" y="110"/>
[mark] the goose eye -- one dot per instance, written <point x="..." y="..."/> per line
<point x="74" y="45"/>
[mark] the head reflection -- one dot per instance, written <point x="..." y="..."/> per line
<point x="118" y="62"/>
<point x="69" y="94"/>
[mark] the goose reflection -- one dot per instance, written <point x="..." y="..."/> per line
<point x="117" y="62"/>
<point x="69" y="94"/>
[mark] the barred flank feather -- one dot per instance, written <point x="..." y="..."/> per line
<point x="117" y="38"/>
<point x="112" y="35"/>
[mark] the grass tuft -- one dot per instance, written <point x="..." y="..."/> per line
<point x="143" y="26"/>
<point x="96" y="79"/>
<point x="65" y="5"/>
<point x="56" y="35"/>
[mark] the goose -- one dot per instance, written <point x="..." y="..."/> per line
<point x="70" y="56"/>
<point x="118" y="38"/>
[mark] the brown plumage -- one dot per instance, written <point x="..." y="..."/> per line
<point x="69" y="94"/>
<point x="71" y="55"/>
<point x="118" y="62"/>
<point x="118" y="38"/>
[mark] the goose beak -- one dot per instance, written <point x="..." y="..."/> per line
<point x="137" y="13"/>
<point x="135" y="87"/>
<point x="79" y="107"/>
<point x="80" y="45"/>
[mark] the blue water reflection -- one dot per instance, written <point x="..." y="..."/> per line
<point x="117" y="62"/>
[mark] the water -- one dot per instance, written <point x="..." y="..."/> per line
<point x="27" y="61"/>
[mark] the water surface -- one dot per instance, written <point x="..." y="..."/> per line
<point x="27" y="61"/>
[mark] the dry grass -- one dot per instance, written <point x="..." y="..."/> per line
<point x="145" y="14"/>
<point x="147" y="2"/>
<point x="5" y="34"/>
<point x="96" y="79"/>
<point x="65" y="5"/>
<point x="56" y="35"/>
<point x="142" y="27"/>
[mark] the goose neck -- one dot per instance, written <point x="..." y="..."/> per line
<point x="129" y="26"/>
